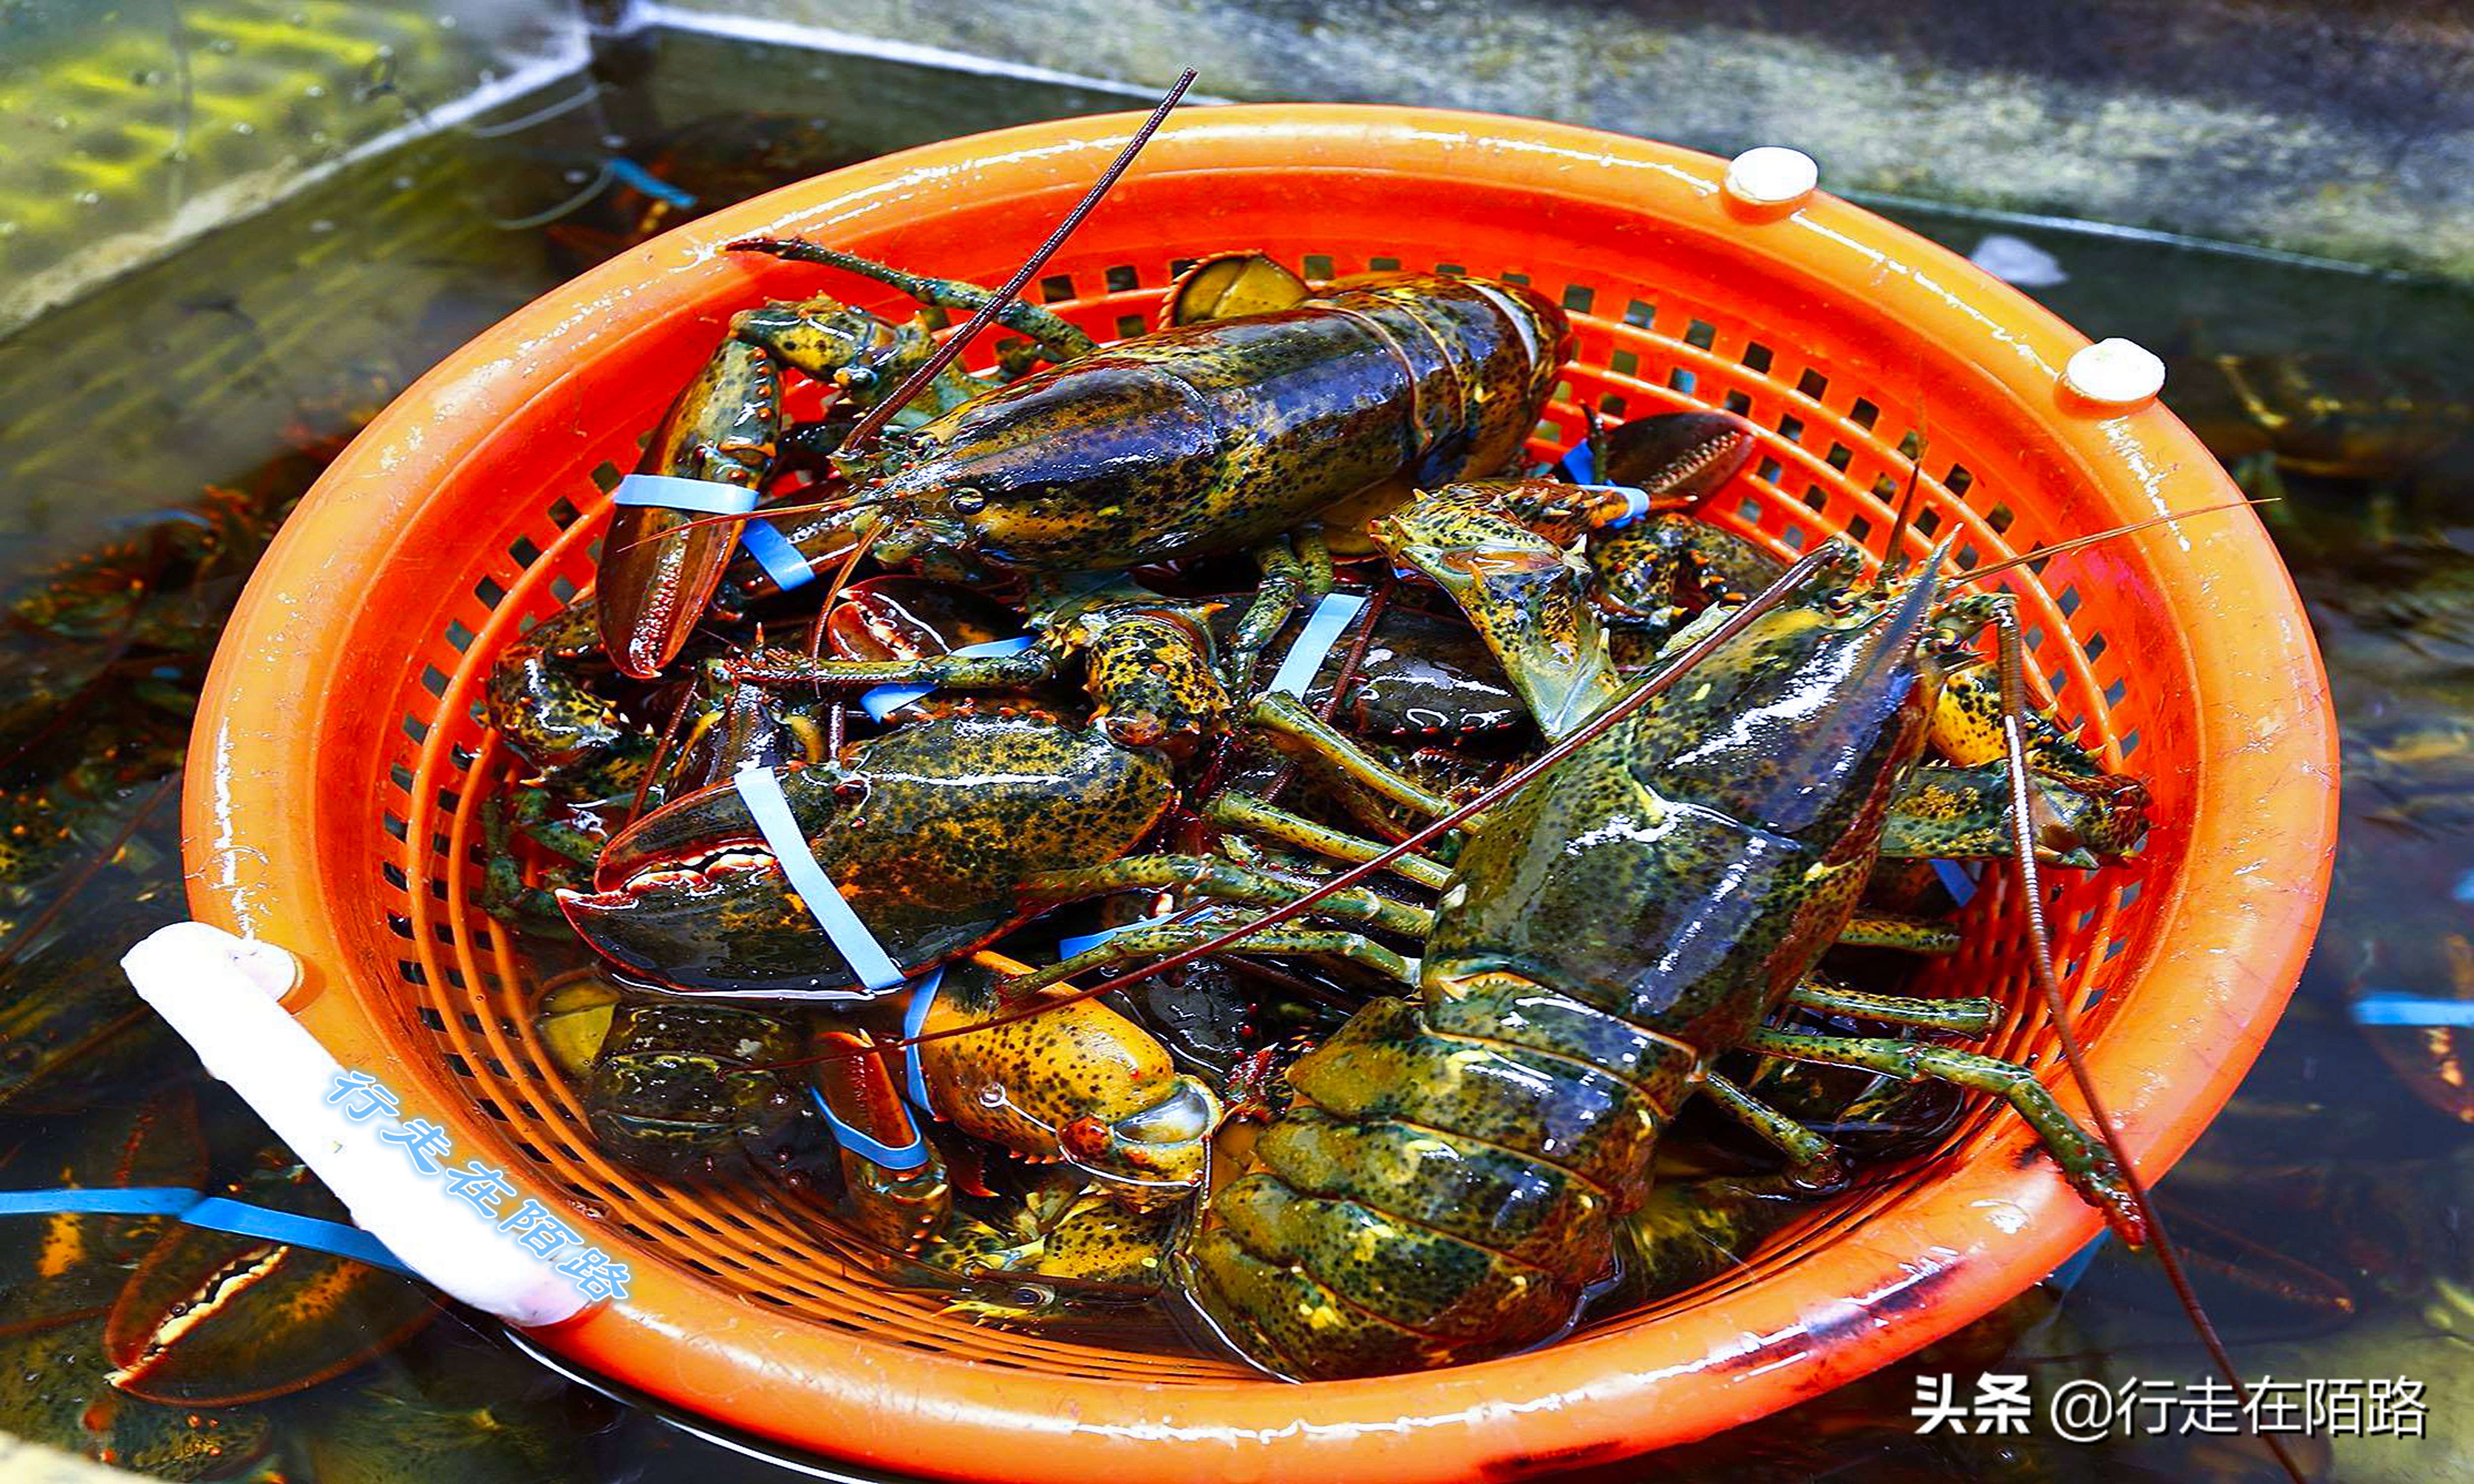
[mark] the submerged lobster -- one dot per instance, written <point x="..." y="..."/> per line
<point x="1452" y="1176"/>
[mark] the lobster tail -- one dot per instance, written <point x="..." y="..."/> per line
<point x="1444" y="1187"/>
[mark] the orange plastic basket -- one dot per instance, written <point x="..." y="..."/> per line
<point x="340" y="757"/>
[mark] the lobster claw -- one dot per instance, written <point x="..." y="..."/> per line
<point x="655" y="577"/>
<point x="660" y="567"/>
<point x="899" y="1193"/>
<point x="692" y="897"/>
<point x="1677" y="456"/>
<point x="925" y="835"/>
<point x="1524" y="595"/>
<point x="212" y="1319"/>
<point x="1078" y="1083"/>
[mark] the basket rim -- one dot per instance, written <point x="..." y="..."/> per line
<point x="2229" y="943"/>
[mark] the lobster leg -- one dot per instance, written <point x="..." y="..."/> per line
<point x="859" y="356"/>
<point x="900" y="1202"/>
<point x="503" y="892"/>
<point x="1887" y="930"/>
<point x="1243" y="811"/>
<point x="1299" y="732"/>
<point x="1060" y="340"/>
<point x="1963" y="814"/>
<point x="996" y="672"/>
<point x="1295" y="571"/>
<point x="1167" y="938"/>
<point x="1224" y="881"/>
<point x="2085" y="1162"/>
<point x="1973" y="1015"/>
<point x="1793" y="1140"/>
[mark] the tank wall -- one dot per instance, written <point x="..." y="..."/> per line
<point x="2343" y="129"/>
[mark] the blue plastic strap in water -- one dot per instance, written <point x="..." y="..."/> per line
<point x="775" y="553"/>
<point x="762" y="792"/>
<point x="628" y="173"/>
<point x="1580" y="464"/>
<point x="123" y="1200"/>
<point x="669" y="492"/>
<point x="1323" y="628"/>
<point x="211" y="1211"/>
<point x="885" y="700"/>
<point x="280" y="1226"/>
<point x="922" y="994"/>
<point x="1636" y="504"/>
<point x="910" y="1157"/>
<point x="2385" y="1007"/>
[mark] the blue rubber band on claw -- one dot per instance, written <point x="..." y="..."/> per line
<point x="772" y="551"/>
<point x="775" y="553"/>
<point x="923" y="995"/>
<point x="762" y="792"/>
<point x="1636" y="504"/>
<point x="1324" y="625"/>
<point x="669" y="492"/>
<point x="875" y="1151"/>
<point x="885" y="700"/>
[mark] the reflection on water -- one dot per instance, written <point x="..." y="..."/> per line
<point x="154" y="433"/>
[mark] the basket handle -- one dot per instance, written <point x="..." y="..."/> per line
<point x="224" y="995"/>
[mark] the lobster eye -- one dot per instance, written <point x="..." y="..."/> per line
<point x="855" y="378"/>
<point x="966" y="502"/>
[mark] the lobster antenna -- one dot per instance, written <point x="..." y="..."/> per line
<point x="1894" y="561"/>
<point x="1528" y="773"/>
<point x="2076" y="541"/>
<point x="2040" y="966"/>
<point x="873" y="423"/>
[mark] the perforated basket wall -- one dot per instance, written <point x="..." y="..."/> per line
<point x="340" y="757"/>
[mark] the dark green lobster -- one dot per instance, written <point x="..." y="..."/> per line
<point x="1226" y="436"/>
<point x="1456" y="1171"/>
